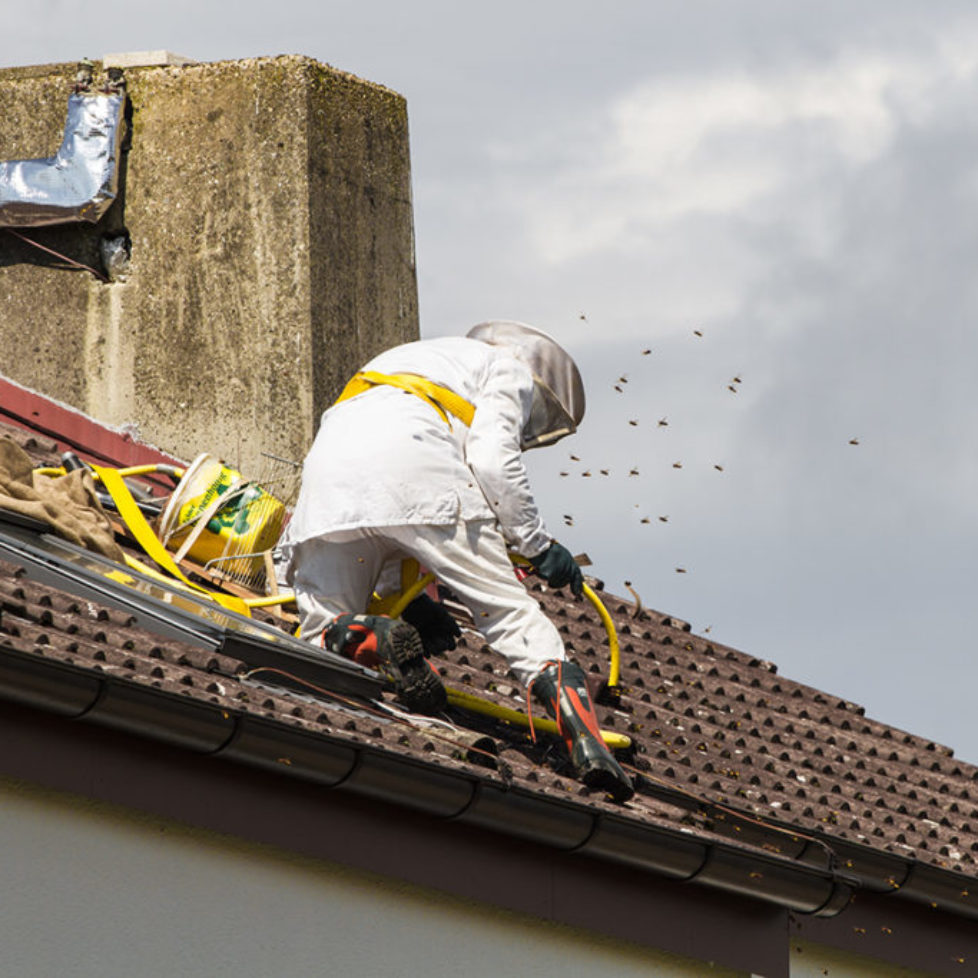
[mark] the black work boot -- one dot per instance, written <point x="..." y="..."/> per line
<point x="561" y="687"/>
<point x="394" y="649"/>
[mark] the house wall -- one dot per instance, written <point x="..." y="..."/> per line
<point x="91" y="889"/>
<point x="809" y="960"/>
<point x="269" y="205"/>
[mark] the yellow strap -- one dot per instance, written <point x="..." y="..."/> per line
<point x="443" y="400"/>
<point x="147" y="539"/>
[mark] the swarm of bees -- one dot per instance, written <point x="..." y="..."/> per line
<point x="621" y="386"/>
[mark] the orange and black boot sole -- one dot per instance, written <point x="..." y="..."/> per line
<point x="394" y="649"/>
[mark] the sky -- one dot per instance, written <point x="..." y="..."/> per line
<point x="753" y="224"/>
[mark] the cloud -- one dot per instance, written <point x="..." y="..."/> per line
<point x="681" y="149"/>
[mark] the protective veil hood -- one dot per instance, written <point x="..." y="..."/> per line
<point x="558" y="392"/>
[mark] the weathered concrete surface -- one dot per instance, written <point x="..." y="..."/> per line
<point x="269" y="206"/>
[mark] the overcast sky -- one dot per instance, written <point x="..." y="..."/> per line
<point x="798" y="183"/>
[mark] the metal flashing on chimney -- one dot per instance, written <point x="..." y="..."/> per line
<point x="81" y="181"/>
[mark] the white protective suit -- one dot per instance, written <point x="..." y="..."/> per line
<point x="388" y="477"/>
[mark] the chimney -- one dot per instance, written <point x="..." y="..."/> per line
<point x="259" y="250"/>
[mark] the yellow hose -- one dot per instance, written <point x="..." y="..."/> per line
<point x="473" y="703"/>
<point x="614" y="670"/>
<point x="406" y="597"/>
<point x="269" y="600"/>
<point x="173" y="470"/>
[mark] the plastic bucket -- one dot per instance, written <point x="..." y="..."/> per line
<point x="224" y="515"/>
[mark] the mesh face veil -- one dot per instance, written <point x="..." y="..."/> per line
<point x="558" y="392"/>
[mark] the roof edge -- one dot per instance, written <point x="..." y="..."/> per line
<point x="93" y="440"/>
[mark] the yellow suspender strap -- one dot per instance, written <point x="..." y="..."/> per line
<point x="136" y="523"/>
<point x="443" y="400"/>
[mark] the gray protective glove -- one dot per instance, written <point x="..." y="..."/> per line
<point x="556" y="565"/>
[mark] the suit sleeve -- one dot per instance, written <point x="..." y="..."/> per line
<point x="494" y="456"/>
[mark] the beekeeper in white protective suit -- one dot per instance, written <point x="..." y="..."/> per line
<point x="421" y="457"/>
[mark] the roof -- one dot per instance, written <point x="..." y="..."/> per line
<point x="747" y="782"/>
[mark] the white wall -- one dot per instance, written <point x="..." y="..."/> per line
<point x="92" y="891"/>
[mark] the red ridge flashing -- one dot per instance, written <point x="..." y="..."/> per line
<point x="75" y="431"/>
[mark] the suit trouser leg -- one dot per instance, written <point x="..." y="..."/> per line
<point x="471" y="559"/>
